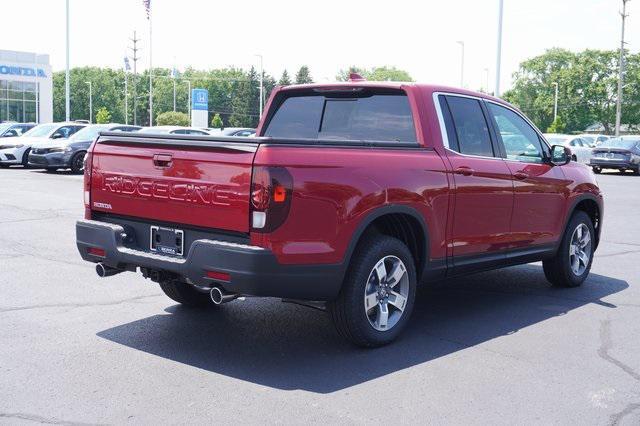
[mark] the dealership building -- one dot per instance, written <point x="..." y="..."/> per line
<point x="26" y="87"/>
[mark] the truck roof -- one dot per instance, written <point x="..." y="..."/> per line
<point x="408" y="86"/>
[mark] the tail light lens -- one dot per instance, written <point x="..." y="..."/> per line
<point x="271" y="192"/>
<point x="87" y="184"/>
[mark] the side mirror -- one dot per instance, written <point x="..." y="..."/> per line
<point x="57" y="136"/>
<point x="10" y="134"/>
<point x="560" y="155"/>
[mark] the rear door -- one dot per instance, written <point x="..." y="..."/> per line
<point x="185" y="180"/>
<point x="539" y="188"/>
<point x="482" y="184"/>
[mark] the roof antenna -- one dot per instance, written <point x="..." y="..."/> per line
<point x="354" y="76"/>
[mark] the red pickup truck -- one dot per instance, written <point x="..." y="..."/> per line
<point x="351" y="195"/>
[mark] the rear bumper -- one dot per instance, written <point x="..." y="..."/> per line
<point x="253" y="270"/>
<point x="615" y="164"/>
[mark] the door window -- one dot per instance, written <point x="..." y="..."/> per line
<point x="471" y="129"/>
<point x="520" y="140"/>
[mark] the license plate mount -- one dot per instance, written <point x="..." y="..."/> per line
<point x="166" y="240"/>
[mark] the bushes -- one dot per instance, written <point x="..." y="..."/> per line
<point x="171" y="118"/>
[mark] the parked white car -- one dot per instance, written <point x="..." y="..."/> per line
<point x="578" y="146"/>
<point x="16" y="150"/>
<point x="594" y="140"/>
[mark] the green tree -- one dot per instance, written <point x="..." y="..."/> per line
<point x="171" y="118"/>
<point x="216" y="122"/>
<point x="245" y="103"/>
<point x="557" y="126"/>
<point x="587" y="83"/>
<point x="103" y="116"/>
<point x="303" y="76"/>
<point x="384" y="73"/>
<point x="285" y="80"/>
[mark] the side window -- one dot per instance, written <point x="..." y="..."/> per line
<point x="196" y="132"/>
<point x="65" y="131"/>
<point x="520" y="140"/>
<point x="471" y="129"/>
<point x="74" y="129"/>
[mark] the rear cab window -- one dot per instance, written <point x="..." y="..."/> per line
<point x="372" y="115"/>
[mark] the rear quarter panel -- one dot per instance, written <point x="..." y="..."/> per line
<point x="335" y="189"/>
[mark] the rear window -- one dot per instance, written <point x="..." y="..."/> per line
<point x="362" y="116"/>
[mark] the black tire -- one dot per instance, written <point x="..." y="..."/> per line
<point x="636" y="171"/>
<point x="51" y="169"/>
<point x="348" y="311"/>
<point x="185" y="294"/>
<point x="622" y="171"/>
<point x="4" y="166"/>
<point x="77" y="162"/>
<point x="558" y="270"/>
<point x="25" y="158"/>
<point x="597" y="170"/>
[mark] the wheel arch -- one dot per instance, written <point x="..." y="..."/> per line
<point x="399" y="221"/>
<point x="592" y="206"/>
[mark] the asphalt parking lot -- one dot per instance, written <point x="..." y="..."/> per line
<point x="500" y="347"/>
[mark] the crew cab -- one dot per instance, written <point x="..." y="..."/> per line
<point x="350" y="196"/>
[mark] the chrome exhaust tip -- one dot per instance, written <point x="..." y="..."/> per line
<point x="106" y="271"/>
<point x="219" y="296"/>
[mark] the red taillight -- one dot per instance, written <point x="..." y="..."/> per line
<point x="271" y="192"/>
<point x="96" y="251"/>
<point x="260" y="188"/>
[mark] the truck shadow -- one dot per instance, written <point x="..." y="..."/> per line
<point x="291" y="347"/>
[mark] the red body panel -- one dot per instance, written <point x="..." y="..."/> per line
<point x="336" y="188"/>
<point x="202" y="187"/>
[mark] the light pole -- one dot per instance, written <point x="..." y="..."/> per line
<point x="67" y="90"/>
<point x="621" y="70"/>
<point x="499" y="48"/>
<point x="90" y="101"/>
<point x="555" y="104"/>
<point x="189" y="99"/>
<point x="461" y="43"/>
<point x="261" y="83"/>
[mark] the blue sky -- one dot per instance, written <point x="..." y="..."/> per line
<point x="419" y="36"/>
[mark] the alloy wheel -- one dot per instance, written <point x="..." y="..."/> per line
<point x="386" y="293"/>
<point x="580" y="249"/>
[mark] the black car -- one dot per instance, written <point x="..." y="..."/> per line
<point x="620" y="154"/>
<point x="8" y="130"/>
<point x="69" y="154"/>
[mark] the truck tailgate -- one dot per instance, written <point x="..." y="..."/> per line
<point x="179" y="180"/>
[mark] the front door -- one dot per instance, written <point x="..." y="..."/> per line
<point x="540" y="189"/>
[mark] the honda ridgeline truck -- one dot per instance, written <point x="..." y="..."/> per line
<point x="351" y="195"/>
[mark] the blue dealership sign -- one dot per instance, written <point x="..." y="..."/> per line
<point x="22" y="71"/>
<point x="200" y="99"/>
